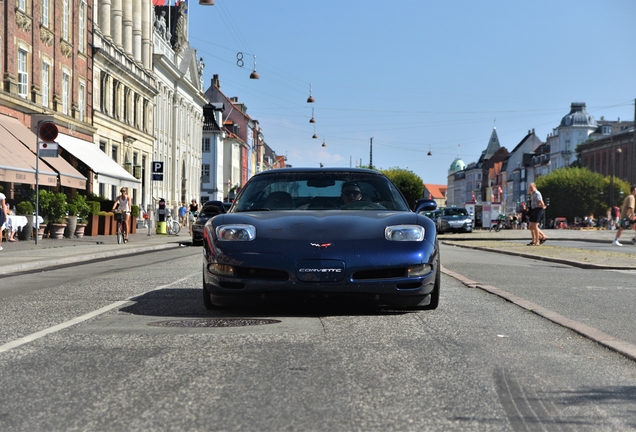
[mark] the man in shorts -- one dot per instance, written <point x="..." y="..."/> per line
<point x="627" y="217"/>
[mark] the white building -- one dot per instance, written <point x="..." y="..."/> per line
<point x="574" y="129"/>
<point x="212" y="153"/>
<point x="178" y="112"/>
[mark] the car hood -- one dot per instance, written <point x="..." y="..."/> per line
<point x="325" y="226"/>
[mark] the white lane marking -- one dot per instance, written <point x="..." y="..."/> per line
<point x="37" y="335"/>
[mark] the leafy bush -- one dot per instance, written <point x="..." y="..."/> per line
<point x="134" y="210"/>
<point x="25" y="208"/>
<point x="81" y="206"/>
<point x="579" y="192"/>
<point x="409" y="183"/>
<point x="93" y="207"/>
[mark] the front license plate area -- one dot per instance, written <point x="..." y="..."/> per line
<point x="320" y="270"/>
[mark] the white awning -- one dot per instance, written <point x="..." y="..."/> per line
<point x="107" y="170"/>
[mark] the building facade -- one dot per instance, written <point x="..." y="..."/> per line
<point x="47" y="69"/>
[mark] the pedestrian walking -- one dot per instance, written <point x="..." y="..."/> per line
<point x="3" y="215"/>
<point x="194" y="213"/>
<point x="537" y="208"/>
<point x="183" y="211"/>
<point x="627" y="217"/>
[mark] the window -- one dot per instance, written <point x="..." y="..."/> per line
<point x="206" y="144"/>
<point x="205" y="173"/>
<point x="66" y="12"/>
<point x="22" y="5"/>
<point x="66" y="84"/>
<point x="102" y="146"/>
<point x="46" y="83"/>
<point x="23" y="75"/>
<point x="81" y="98"/>
<point x="45" y="13"/>
<point x="81" y="26"/>
<point x="113" y="152"/>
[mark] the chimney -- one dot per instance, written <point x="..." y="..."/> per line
<point x="216" y="82"/>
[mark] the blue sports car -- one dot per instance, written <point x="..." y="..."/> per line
<point x="322" y="234"/>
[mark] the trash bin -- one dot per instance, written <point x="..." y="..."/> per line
<point x="161" y="217"/>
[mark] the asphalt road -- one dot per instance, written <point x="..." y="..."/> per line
<point x="476" y="363"/>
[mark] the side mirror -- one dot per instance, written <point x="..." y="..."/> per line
<point x="424" y="205"/>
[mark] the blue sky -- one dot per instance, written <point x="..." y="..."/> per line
<point x="416" y="75"/>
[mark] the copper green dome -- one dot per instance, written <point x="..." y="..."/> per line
<point x="457" y="165"/>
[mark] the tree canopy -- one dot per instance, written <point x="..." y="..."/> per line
<point x="579" y="192"/>
<point x="409" y="183"/>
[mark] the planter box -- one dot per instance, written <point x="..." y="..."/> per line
<point x="105" y="225"/>
<point x="92" y="225"/>
<point x="133" y="225"/>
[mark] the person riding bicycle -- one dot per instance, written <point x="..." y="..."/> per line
<point x="122" y="203"/>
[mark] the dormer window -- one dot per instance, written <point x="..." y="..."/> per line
<point x="606" y="130"/>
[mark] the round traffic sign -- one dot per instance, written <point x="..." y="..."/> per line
<point x="48" y="131"/>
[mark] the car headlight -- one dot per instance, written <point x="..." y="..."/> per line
<point x="237" y="232"/>
<point x="404" y="233"/>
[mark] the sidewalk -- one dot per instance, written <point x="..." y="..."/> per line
<point x="26" y="255"/>
<point x="600" y="254"/>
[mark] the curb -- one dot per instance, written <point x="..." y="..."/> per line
<point x="38" y="265"/>
<point x="578" y="264"/>
<point x="613" y="343"/>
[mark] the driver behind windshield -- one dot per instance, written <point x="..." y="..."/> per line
<point x="351" y="192"/>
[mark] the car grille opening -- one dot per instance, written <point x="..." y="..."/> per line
<point x="256" y="273"/>
<point x="231" y="285"/>
<point x="388" y="273"/>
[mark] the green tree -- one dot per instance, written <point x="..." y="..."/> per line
<point x="409" y="183"/>
<point x="578" y="192"/>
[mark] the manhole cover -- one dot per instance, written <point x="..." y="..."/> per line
<point x="213" y="322"/>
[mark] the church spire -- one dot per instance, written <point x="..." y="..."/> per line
<point x="493" y="144"/>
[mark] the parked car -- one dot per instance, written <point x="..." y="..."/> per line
<point x="292" y="233"/>
<point x="209" y="210"/>
<point x="454" y="219"/>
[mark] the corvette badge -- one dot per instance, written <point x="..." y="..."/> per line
<point x="320" y="245"/>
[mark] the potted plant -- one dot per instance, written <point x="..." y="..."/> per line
<point x="71" y="221"/>
<point x="25" y="208"/>
<point x="82" y="210"/>
<point x="92" y="218"/>
<point x="57" y="214"/>
<point x="45" y="198"/>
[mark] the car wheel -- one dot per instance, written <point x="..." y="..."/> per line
<point x="435" y="294"/>
<point x="197" y="242"/>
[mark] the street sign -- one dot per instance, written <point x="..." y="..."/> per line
<point x="47" y="131"/>
<point x="48" y="149"/>
<point x="157" y="171"/>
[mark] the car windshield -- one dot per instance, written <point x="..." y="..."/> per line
<point x="324" y="190"/>
<point x="455" y="212"/>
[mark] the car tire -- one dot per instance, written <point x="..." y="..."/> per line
<point x="197" y="242"/>
<point x="435" y="293"/>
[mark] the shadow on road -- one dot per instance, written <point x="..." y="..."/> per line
<point x="188" y="302"/>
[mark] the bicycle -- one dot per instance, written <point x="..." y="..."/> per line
<point x="121" y="232"/>
<point x="501" y="223"/>
<point x="172" y="226"/>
